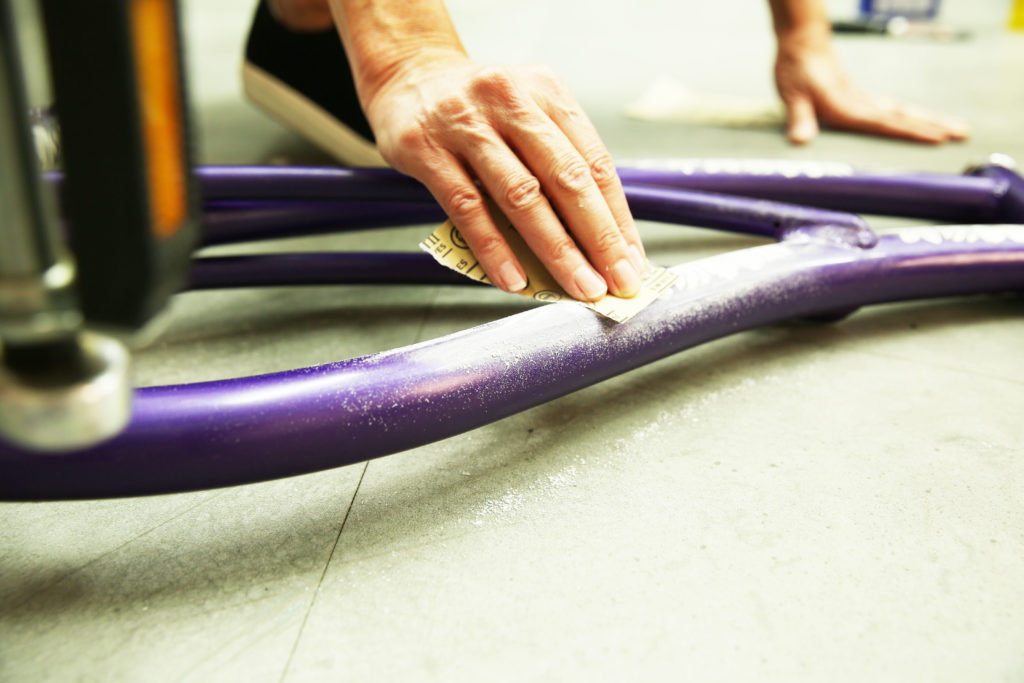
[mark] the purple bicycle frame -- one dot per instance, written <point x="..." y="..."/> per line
<point x="250" y="429"/>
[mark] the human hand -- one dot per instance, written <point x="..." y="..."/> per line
<point x="449" y="122"/>
<point x="814" y="88"/>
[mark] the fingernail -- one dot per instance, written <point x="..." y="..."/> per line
<point x="592" y="286"/>
<point x="511" y="278"/>
<point x="627" y="282"/>
<point x="637" y="259"/>
<point x="961" y="129"/>
<point x="803" y="132"/>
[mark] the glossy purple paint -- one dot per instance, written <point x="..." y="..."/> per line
<point x="249" y="221"/>
<point x="288" y="217"/>
<point x="256" y="428"/>
<point x="978" y="197"/>
<point x="952" y="198"/>
<point x="1011" y="205"/>
<point x="326" y="200"/>
<point x="365" y="268"/>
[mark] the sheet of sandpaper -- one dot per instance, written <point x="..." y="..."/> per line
<point x="448" y="247"/>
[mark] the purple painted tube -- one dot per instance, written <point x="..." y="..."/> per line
<point x="249" y="429"/>
<point x="287" y="182"/>
<point x="737" y="214"/>
<point x="838" y="187"/>
<point x="981" y="197"/>
<point x="286" y="218"/>
<point x="255" y="428"/>
<point x="723" y="212"/>
<point x="1011" y="208"/>
<point x="230" y="224"/>
<point x="276" y="270"/>
<point x="952" y="198"/>
<point x="976" y="198"/>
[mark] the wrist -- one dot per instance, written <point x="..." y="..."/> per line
<point x="388" y="69"/>
<point x="387" y="39"/>
<point x="801" y="25"/>
<point x="810" y="36"/>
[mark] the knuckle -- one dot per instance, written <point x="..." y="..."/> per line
<point x="572" y="174"/>
<point x="562" y="250"/>
<point x="602" y="170"/>
<point x="456" y="116"/>
<point x="522" y="191"/>
<point x="569" y="109"/>
<point x="523" y="118"/>
<point x="545" y="74"/>
<point x="607" y="241"/>
<point x="463" y="202"/>
<point x="453" y="108"/>
<point x="493" y="81"/>
<point x="411" y="138"/>
<point x="488" y="245"/>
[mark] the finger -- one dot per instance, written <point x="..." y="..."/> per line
<point x="892" y="123"/>
<point x="580" y="131"/>
<point x="517" y="192"/>
<point x="952" y="127"/>
<point x="585" y="139"/>
<point x="802" y="121"/>
<point x="460" y="198"/>
<point x="568" y="183"/>
<point x="880" y="115"/>
<point x="525" y="137"/>
<point x="958" y="128"/>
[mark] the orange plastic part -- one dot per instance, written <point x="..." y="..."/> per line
<point x="154" y="35"/>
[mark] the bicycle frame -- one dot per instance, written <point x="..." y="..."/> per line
<point x="825" y="263"/>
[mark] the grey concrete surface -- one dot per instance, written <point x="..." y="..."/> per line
<point x="797" y="502"/>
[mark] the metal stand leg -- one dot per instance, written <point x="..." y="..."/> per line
<point x="60" y="387"/>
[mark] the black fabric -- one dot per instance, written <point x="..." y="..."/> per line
<point x="314" y="64"/>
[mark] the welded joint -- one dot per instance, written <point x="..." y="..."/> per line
<point x="1010" y="194"/>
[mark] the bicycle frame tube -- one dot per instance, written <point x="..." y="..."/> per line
<point x="988" y="194"/>
<point x="765" y="218"/>
<point x="255" y="428"/>
<point x="246" y="203"/>
<point x="951" y="198"/>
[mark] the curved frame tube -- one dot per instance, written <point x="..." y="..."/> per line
<point x="289" y="217"/>
<point x="987" y="194"/>
<point x="255" y="428"/>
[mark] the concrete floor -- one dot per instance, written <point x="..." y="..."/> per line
<point x="834" y="502"/>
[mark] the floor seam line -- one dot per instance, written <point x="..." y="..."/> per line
<point x="323" y="574"/>
<point x="417" y="337"/>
